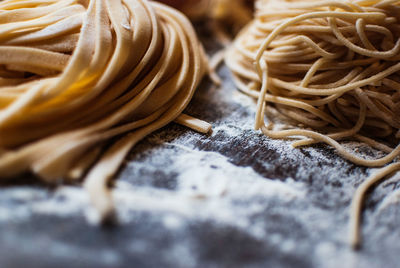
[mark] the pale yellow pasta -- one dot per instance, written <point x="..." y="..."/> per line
<point x="76" y="74"/>
<point x="331" y="66"/>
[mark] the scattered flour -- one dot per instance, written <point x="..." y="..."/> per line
<point x="211" y="188"/>
<point x="391" y="199"/>
<point x="205" y="192"/>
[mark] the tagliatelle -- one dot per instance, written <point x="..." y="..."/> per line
<point x="331" y="66"/>
<point x="76" y="74"/>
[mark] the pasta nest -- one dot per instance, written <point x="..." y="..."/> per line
<point x="75" y="74"/>
<point x="332" y="66"/>
<point x="330" y="70"/>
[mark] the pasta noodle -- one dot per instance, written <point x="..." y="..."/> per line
<point x="332" y="68"/>
<point x="76" y="74"/>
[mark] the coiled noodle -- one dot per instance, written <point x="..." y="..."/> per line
<point x="76" y="74"/>
<point x="332" y="68"/>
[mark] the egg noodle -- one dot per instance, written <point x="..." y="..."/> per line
<point x="81" y="82"/>
<point x="331" y="67"/>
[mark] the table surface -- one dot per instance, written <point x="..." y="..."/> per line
<point x="233" y="198"/>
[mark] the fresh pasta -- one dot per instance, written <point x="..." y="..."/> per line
<point x="331" y="68"/>
<point x="81" y="82"/>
